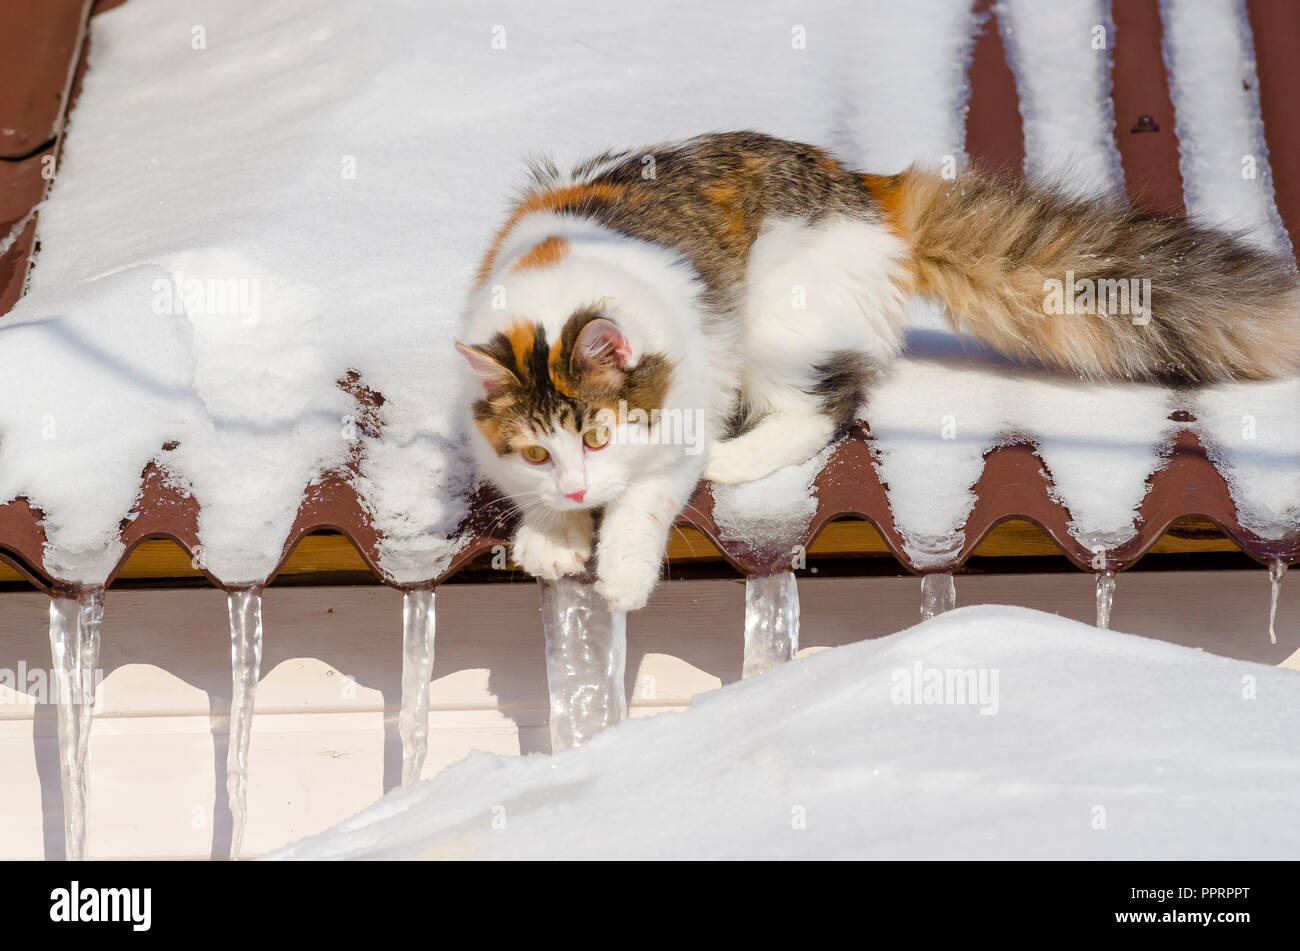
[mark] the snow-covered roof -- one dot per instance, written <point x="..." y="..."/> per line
<point x="266" y="217"/>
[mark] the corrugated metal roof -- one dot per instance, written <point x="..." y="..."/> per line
<point x="43" y="51"/>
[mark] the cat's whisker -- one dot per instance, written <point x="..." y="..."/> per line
<point x="688" y="507"/>
<point x="507" y="515"/>
<point x="682" y="535"/>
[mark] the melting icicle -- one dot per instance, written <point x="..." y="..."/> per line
<point x="938" y="594"/>
<point x="1276" y="571"/>
<point x="90" y="615"/>
<point x="1105" y="589"/>
<point x="74" y="648"/>
<point x="771" y="622"/>
<point x="1105" y="597"/>
<point x="417" y="668"/>
<point x="586" y="655"/>
<point x="245" y="606"/>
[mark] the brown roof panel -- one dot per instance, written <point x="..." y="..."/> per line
<point x="994" y="136"/>
<point x="1276" y="28"/>
<point x="40" y="41"/>
<point x="1144" y="114"/>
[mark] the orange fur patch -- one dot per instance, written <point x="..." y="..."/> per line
<point x="521" y="335"/>
<point x="729" y="197"/>
<point x="545" y="254"/>
<point x="558" y="373"/>
<point x="490" y="427"/>
<point x="826" y="161"/>
<point x="890" y="193"/>
<point x="553" y="199"/>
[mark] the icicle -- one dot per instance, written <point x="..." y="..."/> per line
<point x="586" y="655"/>
<point x="74" y="649"/>
<point x="1105" y="590"/>
<point x="1105" y="597"/>
<point x="90" y="615"/>
<point x="771" y="622"/>
<point x="417" y="668"/>
<point x="938" y="594"/>
<point x="245" y="606"/>
<point x="1276" y="571"/>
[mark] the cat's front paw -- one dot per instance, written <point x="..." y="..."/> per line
<point x="625" y="578"/>
<point x="551" y="550"/>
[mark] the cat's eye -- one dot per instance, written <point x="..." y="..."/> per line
<point x="597" y="438"/>
<point x="534" y="454"/>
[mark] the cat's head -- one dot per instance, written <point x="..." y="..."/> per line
<point x="554" y="412"/>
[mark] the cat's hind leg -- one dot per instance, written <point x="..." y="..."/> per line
<point x="800" y="419"/>
<point x="823" y="313"/>
<point x="783" y="437"/>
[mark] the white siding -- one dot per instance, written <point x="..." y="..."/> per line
<point x="324" y="739"/>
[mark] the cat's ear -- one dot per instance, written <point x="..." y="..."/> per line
<point x="494" y="376"/>
<point x="601" y="351"/>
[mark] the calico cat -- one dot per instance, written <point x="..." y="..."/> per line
<point x="758" y="286"/>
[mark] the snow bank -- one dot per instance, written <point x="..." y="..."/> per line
<point x="1081" y="744"/>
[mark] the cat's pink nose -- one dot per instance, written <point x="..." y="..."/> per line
<point x="576" y="496"/>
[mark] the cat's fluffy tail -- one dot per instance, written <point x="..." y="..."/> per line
<point x="1093" y="286"/>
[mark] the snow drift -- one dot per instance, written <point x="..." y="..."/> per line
<point x="1051" y="739"/>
